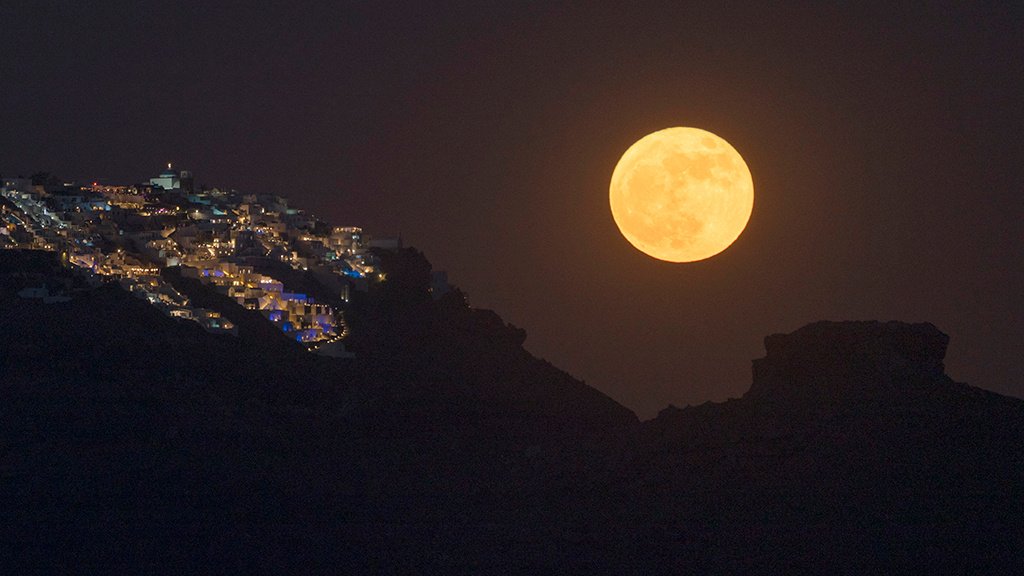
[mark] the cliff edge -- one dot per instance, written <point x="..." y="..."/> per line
<point x="844" y="361"/>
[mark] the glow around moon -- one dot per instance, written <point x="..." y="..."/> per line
<point x="681" y="194"/>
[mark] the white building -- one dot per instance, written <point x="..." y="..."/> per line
<point x="168" y="179"/>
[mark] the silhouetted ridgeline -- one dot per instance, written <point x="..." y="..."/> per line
<point x="132" y="442"/>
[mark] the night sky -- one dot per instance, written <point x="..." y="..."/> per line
<point x="885" y="145"/>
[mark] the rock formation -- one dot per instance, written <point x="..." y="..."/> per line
<point x="846" y="361"/>
<point x="133" y="443"/>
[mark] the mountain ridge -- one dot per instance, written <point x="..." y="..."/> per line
<point x="132" y="441"/>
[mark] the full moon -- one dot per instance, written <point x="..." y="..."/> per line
<point x="681" y="194"/>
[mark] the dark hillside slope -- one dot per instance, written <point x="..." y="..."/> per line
<point x="132" y="439"/>
<point x="852" y="452"/>
<point x="131" y="442"/>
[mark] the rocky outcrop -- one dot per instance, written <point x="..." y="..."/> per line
<point x="852" y="452"/>
<point x="846" y="361"/>
<point x="130" y="442"/>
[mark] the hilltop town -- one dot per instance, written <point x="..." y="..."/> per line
<point x="229" y="240"/>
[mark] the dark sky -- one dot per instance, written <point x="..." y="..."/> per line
<point x="885" y="145"/>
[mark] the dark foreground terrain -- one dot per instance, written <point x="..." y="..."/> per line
<point x="134" y="443"/>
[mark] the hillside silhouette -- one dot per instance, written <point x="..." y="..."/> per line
<point x="132" y="442"/>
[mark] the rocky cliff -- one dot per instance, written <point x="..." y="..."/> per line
<point x="847" y="361"/>
<point x="852" y="452"/>
<point x="134" y="443"/>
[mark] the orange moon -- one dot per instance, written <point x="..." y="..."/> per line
<point x="681" y="194"/>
